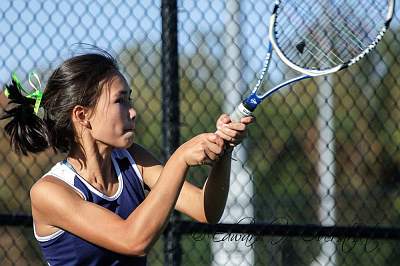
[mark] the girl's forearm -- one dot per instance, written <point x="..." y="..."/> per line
<point x="216" y="188"/>
<point x="152" y="215"/>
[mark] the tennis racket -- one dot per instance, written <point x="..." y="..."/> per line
<point x="319" y="37"/>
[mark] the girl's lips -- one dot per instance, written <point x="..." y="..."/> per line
<point x="129" y="129"/>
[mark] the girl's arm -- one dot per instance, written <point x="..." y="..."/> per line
<point x="202" y="204"/>
<point x="215" y="191"/>
<point x="57" y="205"/>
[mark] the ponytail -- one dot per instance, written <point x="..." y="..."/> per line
<point x="27" y="131"/>
<point x="37" y="124"/>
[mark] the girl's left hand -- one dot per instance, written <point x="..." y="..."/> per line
<point x="233" y="132"/>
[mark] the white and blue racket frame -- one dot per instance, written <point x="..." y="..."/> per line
<point x="246" y="107"/>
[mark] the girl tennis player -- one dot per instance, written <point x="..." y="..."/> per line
<point x="91" y="208"/>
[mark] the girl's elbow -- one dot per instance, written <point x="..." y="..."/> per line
<point x="133" y="246"/>
<point x="136" y="249"/>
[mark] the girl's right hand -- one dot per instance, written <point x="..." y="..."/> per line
<point x="203" y="149"/>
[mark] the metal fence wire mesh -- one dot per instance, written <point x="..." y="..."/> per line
<point x="322" y="152"/>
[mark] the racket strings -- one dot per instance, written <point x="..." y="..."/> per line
<point x="342" y="43"/>
<point x="315" y="52"/>
<point x="324" y="34"/>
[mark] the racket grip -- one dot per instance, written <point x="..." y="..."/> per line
<point x="239" y="112"/>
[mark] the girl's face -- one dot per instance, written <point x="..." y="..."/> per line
<point x="113" y="119"/>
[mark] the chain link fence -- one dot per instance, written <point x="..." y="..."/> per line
<point x="322" y="152"/>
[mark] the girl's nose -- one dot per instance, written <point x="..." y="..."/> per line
<point x="132" y="113"/>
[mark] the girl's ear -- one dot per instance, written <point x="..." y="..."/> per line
<point x="80" y="115"/>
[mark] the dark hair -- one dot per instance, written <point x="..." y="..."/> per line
<point x="77" y="81"/>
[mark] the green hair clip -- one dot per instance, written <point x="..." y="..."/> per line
<point x="37" y="94"/>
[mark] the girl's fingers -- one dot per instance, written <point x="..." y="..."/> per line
<point x="229" y="138"/>
<point x="247" y="119"/>
<point x="223" y="119"/>
<point x="214" y="147"/>
<point x="233" y="132"/>
<point x="233" y="129"/>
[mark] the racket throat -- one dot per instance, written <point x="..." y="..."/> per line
<point x="251" y="102"/>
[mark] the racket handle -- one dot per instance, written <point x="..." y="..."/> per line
<point x="239" y="112"/>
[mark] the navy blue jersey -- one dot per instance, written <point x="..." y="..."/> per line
<point x="64" y="248"/>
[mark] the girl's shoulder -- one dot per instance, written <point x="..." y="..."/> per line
<point x="50" y="195"/>
<point x="55" y="183"/>
<point x="51" y="186"/>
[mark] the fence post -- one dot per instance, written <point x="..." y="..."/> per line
<point x="170" y="109"/>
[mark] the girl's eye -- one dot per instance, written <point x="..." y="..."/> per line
<point x="123" y="101"/>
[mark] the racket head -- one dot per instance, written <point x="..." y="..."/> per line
<point x="321" y="37"/>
